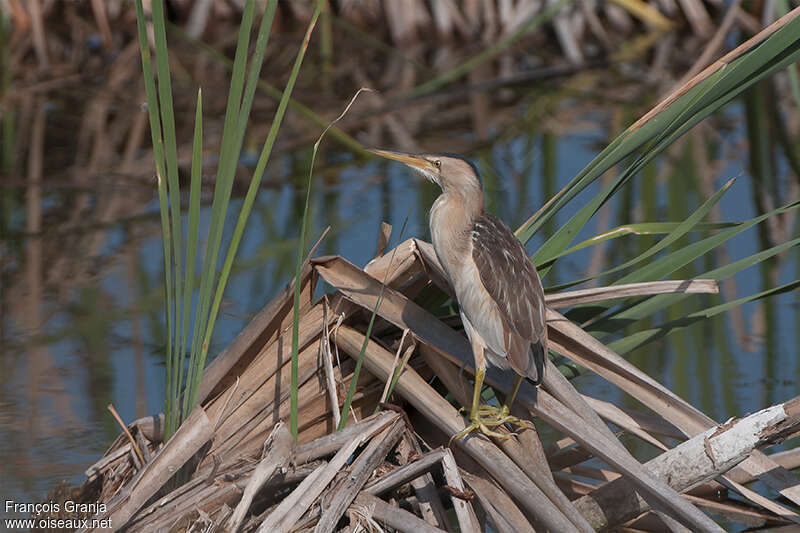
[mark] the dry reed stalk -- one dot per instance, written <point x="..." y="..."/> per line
<point x="631" y="417"/>
<point x="697" y="16"/>
<point x="332" y="442"/>
<point x="695" y="461"/>
<point x="327" y="359"/>
<point x="357" y="476"/>
<point x="506" y="516"/>
<point x="618" y="417"/>
<point x="106" y="461"/>
<point x="101" y="17"/>
<point x="428" y="500"/>
<point x="788" y="459"/>
<point x="746" y="516"/>
<point x="399" y="362"/>
<point x="37" y="25"/>
<point x="391" y="516"/>
<point x="566" y="38"/>
<point x="406" y="473"/>
<point x="604" y="475"/>
<point x="134" y="446"/>
<point x="293" y="506"/>
<point x="436" y="409"/>
<point x="465" y="514"/>
<point x="196" y="430"/>
<point x="531" y="459"/>
<point x="198" y="18"/>
<point x="556" y="384"/>
<point x="567" y="456"/>
<point x="280" y="444"/>
<point x="599" y="474"/>
<point x="615" y="292"/>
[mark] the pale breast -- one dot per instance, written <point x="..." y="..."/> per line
<point x="453" y="246"/>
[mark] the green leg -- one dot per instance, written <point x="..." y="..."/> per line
<point x="476" y="392"/>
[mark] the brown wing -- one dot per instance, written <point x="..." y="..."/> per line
<point x="512" y="281"/>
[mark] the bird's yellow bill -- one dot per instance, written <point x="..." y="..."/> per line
<point x="417" y="162"/>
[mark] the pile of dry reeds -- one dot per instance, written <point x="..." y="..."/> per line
<point x="238" y="468"/>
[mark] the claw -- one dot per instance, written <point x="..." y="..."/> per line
<point x="486" y="417"/>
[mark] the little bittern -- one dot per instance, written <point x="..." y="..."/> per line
<point x="499" y="294"/>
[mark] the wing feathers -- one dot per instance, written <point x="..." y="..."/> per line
<point x="513" y="283"/>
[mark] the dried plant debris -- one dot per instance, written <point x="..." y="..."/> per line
<point x="232" y="465"/>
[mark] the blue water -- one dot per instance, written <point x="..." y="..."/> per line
<point x="54" y="432"/>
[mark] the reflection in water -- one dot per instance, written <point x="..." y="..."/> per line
<point x="82" y="270"/>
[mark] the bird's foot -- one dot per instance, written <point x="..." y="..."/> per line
<point x="487" y="417"/>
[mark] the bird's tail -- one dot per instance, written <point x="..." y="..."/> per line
<point x="536" y="370"/>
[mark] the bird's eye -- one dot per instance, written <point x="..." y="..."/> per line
<point x="437" y="163"/>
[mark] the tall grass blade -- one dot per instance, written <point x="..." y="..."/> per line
<point x="158" y="157"/>
<point x="222" y="188"/>
<point x="676" y="259"/>
<point x="360" y="359"/>
<point x="640" y="228"/>
<point x="783" y="7"/>
<point x="641" y="338"/>
<point x="679" y="231"/>
<point x="654" y="304"/>
<point x="255" y="182"/>
<point x="683" y="109"/>
<point x="173" y="187"/>
<point x="294" y="401"/>
<point x="195" y="190"/>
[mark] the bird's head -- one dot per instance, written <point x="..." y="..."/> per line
<point x="451" y="172"/>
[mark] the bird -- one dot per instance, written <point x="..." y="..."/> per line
<point x="499" y="293"/>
